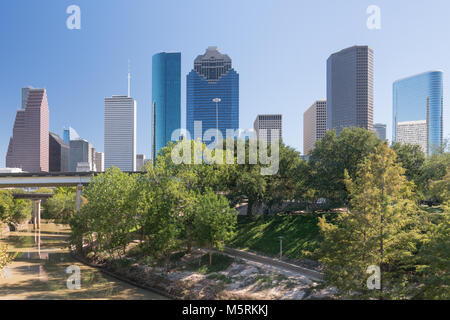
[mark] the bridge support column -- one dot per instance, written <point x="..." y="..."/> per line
<point x="78" y="201"/>
<point x="37" y="214"/>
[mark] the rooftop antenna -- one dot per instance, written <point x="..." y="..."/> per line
<point x="129" y="78"/>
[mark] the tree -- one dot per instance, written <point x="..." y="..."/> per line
<point x="380" y="229"/>
<point x="435" y="260"/>
<point x="62" y="206"/>
<point x="110" y="212"/>
<point x="159" y="207"/>
<point x="333" y="155"/>
<point x="412" y="159"/>
<point x="283" y="185"/>
<point x="214" y="222"/>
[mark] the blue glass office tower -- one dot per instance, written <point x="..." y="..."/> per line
<point x="419" y="99"/>
<point x="212" y="77"/>
<point x="166" y="91"/>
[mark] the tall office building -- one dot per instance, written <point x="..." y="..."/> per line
<point x="140" y="161"/>
<point x="80" y="152"/>
<point x="166" y="92"/>
<point x="350" y="89"/>
<point x="120" y="133"/>
<point x="99" y="161"/>
<point x="212" y="77"/>
<point x="314" y="125"/>
<point x="413" y="132"/>
<point x="70" y="134"/>
<point x="265" y="124"/>
<point x="420" y="98"/>
<point x="58" y="154"/>
<point x="29" y="145"/>
<point x="380" y="130"/>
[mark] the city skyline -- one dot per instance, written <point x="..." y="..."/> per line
<point x="67" y="63"/>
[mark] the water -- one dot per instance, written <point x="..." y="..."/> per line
<point x="38" y="270"/>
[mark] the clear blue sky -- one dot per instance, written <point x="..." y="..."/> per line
<point x="279" y="48"/>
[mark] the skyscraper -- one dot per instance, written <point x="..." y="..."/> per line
<point x="80" y="152"/>
<point x="100" y="161"/>
<point x="314" y="125"/>
<point x="212" y="77"/>
<point x="350" y="89"/>
<point x="120" y="133"/>
<point x="419" y="98"/>
<point x="380" y="130"/>
<point x="413" y="132"/>
<point x="265" y="124"/>
<point x="70" y="134"/>
<point x="29" y="145"/>
<point x="166" y="92"/>
<point x="58" y="154"/>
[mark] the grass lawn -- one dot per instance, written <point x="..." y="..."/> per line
<point x="260" y="234"/>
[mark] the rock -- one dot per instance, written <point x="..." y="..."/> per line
<point x="248" y="272"/>
<point x="235" y="269"/>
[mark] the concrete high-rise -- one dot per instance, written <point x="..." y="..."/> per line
<point x="380" y="130"/>
<point x="314" y="125"/>
<point x="29" y="145"/>
<point x="212" y="77"/>
<point x="266" y="126"/>
<point x="140" y="161"/>
<point x="99" y="161"/>
<point x="418" y="99"/>
<point x="120" y="133"/>
<point x="166" y="93"/>
<point x="58" y="154"/>
<point x="350" y="89"/>
<point x="413" y="132"/>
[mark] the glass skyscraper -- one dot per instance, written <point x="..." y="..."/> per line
<point x="350" y="89"/>
<point x="419" y="100"/>
<point x="212" y="77"/>
<point x="166" y="91"/>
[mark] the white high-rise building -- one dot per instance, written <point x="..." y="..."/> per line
<point x="120" y="133"/>
<point x="413" y="132"/>
<point x="314" y="125"/>
<point x="266" y="125"/>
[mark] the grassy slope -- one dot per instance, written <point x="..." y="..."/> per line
<point x="260" y="234"/>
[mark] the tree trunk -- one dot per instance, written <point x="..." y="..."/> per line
<point x="188" y="238"/>
<point x="210" y="254"/>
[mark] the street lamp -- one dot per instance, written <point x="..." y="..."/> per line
<point x="217" y="100"/>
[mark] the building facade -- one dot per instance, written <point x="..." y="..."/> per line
<point x="120" y="133"/>
<point x="266" y="126"/>
<point x="380" y="131"/>
<point x="166" y="93"/>
<point x="58" y="154"/>
<point x="212" y="77"/>
<point x="350" y="89"/>
<point x="314" y="125"/>
<point x="70" y="134"/>
<point x="416" y="99"/>
<point x="80" y="152"/>
<point x="413" y="132"/>
<point x="99" y="161"/>
<point x="140" y="161"/>
<point x="29" y="145"/>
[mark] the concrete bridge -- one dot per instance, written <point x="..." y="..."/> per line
<point x="45" y="179"/>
